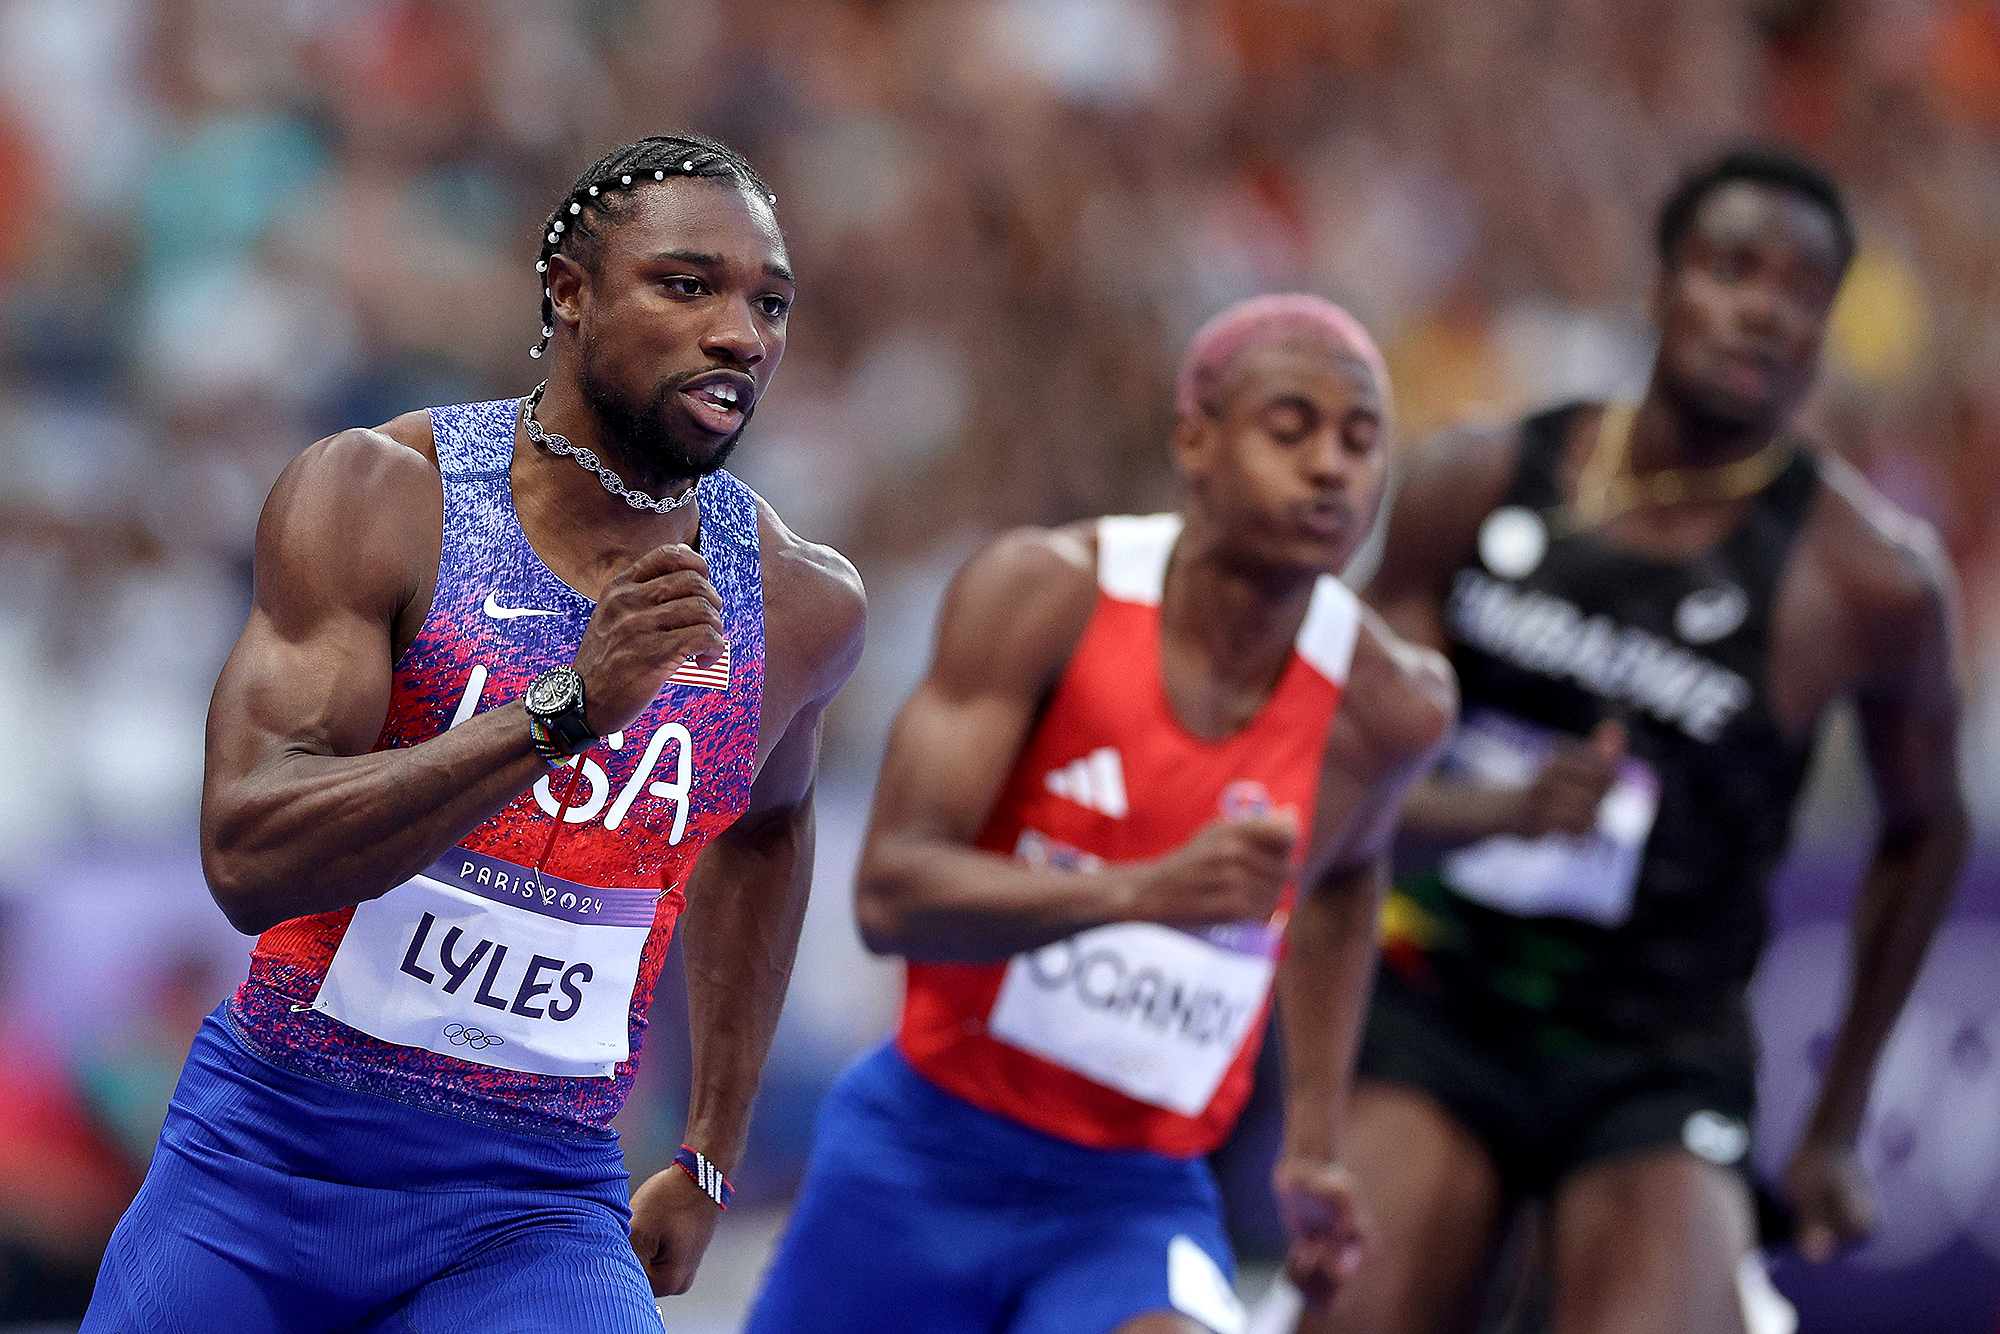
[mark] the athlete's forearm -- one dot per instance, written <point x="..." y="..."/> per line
<point x="1456" y="814"/>
<point x="1323" y="988"/>
<point x="739" y="936"/>
<point x="938" y="901"/>
<point x="303" y="833"/>
<point x="1905" y="895"/>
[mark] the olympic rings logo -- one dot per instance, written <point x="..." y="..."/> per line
<point x="476" y="1038"/>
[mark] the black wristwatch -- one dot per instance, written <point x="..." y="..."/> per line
<point x="555" y="715"/>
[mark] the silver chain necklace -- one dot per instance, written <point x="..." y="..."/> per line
<point x="589" y="462"/>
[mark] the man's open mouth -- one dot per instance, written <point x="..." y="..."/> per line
<point x="719" y="401"/>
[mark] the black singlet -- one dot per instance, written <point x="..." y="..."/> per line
<point x="1557" y="630"/>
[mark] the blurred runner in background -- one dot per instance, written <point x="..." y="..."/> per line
<point x="1150" y="775"/>
<point x="1651" y="611"/>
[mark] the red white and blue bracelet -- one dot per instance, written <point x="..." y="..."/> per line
<point x="706" y="1175"/>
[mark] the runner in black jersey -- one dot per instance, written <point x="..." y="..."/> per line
<point x="1651" y="611"/>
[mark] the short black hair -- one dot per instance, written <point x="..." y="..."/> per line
<point x="602" y="198"/>
<point x="1761" y="164"/>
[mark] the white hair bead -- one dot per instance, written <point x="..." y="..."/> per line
<point x="534" y="352"/>
<point x="558" y="227"/>
<point x="576" y="208"/>
<point x="541" y="266"/>
<point x="593" y="191"/>
<point x="553" y="238"/>
<point x="624" y="180"/>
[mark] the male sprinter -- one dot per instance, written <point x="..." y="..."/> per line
<point x="523" y="679"/>
<point x="1651" y="612"/>
<point x="1155" y="764"/>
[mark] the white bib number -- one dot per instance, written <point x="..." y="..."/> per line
<point x="495" y="964"/>
<point x="1592" y="877"/>
<point x="1155" y="1013"/>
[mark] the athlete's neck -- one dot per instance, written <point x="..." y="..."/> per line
<point x="580" y="530"/>
<point x="1226" y="631"/>
<point x="1668" y="433"/>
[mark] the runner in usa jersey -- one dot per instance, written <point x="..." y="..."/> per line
<point x="1145" y="786"/>
<point x="527" y="686"/>
<point x="508" y="982"/>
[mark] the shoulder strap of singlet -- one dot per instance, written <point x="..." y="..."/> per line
<point x="1790" y="494"/>
<point x="1760" y="544"/>
<point x="475" y="441"/>
<point x="1327" y="637"/>
<point x="1544" y="438"/>
<point x="1132" y="556"/>
<point x="728" y="511"/>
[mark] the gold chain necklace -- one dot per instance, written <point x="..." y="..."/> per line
<point x="1606" y="489"/>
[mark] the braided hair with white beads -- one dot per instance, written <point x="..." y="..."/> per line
<point x="602" y="197"/>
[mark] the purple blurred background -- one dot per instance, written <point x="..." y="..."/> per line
<point x="228" y="227"/>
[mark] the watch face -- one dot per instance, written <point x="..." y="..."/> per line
<point x="553" y="691"/>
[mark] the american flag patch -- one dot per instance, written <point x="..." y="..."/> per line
<point x="708" y="678"/>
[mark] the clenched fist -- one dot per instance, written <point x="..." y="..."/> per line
<point x="1232" y="871"/>
<point x="1326" y="1229"/>
<point x="1831" y="1206"/>
<point x="1565" y="795"/>
<point x="654" y="616"/>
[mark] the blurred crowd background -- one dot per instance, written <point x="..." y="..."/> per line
<point x="230" y="227"/>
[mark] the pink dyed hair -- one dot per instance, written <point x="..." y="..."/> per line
<point x="1271" y="319"/>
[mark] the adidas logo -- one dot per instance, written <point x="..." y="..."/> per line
<point x="1096" y="781"/>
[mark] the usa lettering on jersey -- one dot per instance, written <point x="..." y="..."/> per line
<point x="597" y="792"/>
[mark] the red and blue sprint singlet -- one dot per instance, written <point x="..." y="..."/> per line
<point x="508" y="983"/>
<point x="1132" y="1035"/>
<point x="1024" y="1157"/>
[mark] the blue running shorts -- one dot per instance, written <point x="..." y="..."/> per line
<point x="922" y="1214"/>
<point x="276" y="1203"/>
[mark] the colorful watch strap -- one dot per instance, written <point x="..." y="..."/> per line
<point x="546" y="744"/>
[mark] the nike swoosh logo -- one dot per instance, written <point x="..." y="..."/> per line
<point x="500" y="613"/>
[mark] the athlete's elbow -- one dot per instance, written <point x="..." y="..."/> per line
<point x="881" y="923"/>
<point x="244" y="878"/>
<point x="1953" y="828"/>
<point x="1942" y="833"/>
<point x="885" y="891"/>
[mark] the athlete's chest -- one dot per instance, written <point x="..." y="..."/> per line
<point x="1111" y="774"/>
<point x="633" y="809"/>
<point x="677" y="774"/>
<point x="1569" y="631"/>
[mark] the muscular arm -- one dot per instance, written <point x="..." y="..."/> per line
<point x="1009" y="622"/>
<point x="747" y="898"/>
<point x="1397" y="713"/>
<point x="1385" y="737"/>
<point x="297" y="816"/>
<point x="746" y="903"/>
<point x="1909" y="708"/>
<point x="1446" y="491"/>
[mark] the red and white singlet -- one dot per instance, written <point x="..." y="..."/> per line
<point x="1132" y="1035"/>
